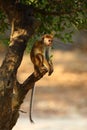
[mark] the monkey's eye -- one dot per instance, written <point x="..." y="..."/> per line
<point x="50" y="40"/>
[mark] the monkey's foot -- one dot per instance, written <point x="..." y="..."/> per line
<point x="43" y="68"/>
<point x="40" y="71"/>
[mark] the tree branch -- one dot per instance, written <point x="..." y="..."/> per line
<point x="22" y="89"/>
<point x="34" y="78"/>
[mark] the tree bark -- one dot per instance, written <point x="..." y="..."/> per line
<point x="12" y="93"/>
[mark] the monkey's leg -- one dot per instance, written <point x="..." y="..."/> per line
<point x="39" y="64"/>
<point x="47" y="65"/>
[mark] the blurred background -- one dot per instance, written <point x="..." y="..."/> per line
<point x="60" y="100"/>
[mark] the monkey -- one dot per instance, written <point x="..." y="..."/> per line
<point x="40" y="57"/>
<point x="40" y="54"/>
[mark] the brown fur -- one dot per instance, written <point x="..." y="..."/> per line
<point x="37" y="54"/>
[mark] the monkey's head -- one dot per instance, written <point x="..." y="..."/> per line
<point x="47" y="39"/>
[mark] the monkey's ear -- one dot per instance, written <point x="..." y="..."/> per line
<point x="52" y="36"/>
<point x="53" y="33"/>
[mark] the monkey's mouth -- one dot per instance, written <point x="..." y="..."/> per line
<point x="49" y="45"/>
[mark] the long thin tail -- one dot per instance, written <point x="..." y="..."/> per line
<point x="31" y="104"/>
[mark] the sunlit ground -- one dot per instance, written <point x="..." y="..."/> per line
<point x="60" y="101"/>
<point x="52" y="124"/>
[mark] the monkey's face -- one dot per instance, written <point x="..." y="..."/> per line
<point x="48" y="41"/>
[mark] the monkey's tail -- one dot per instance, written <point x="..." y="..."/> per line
<point x="31" y="104"/>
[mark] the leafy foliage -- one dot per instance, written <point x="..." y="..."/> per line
<point x="3" y="22"/>
<point x="3" y="28"/>
<point x="61" y="17"/>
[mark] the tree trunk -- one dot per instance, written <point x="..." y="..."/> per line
<point x="12" y="93"/>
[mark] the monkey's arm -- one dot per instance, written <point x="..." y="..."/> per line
<point x="48" y="54"/>
<point x="48" y="57"/>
